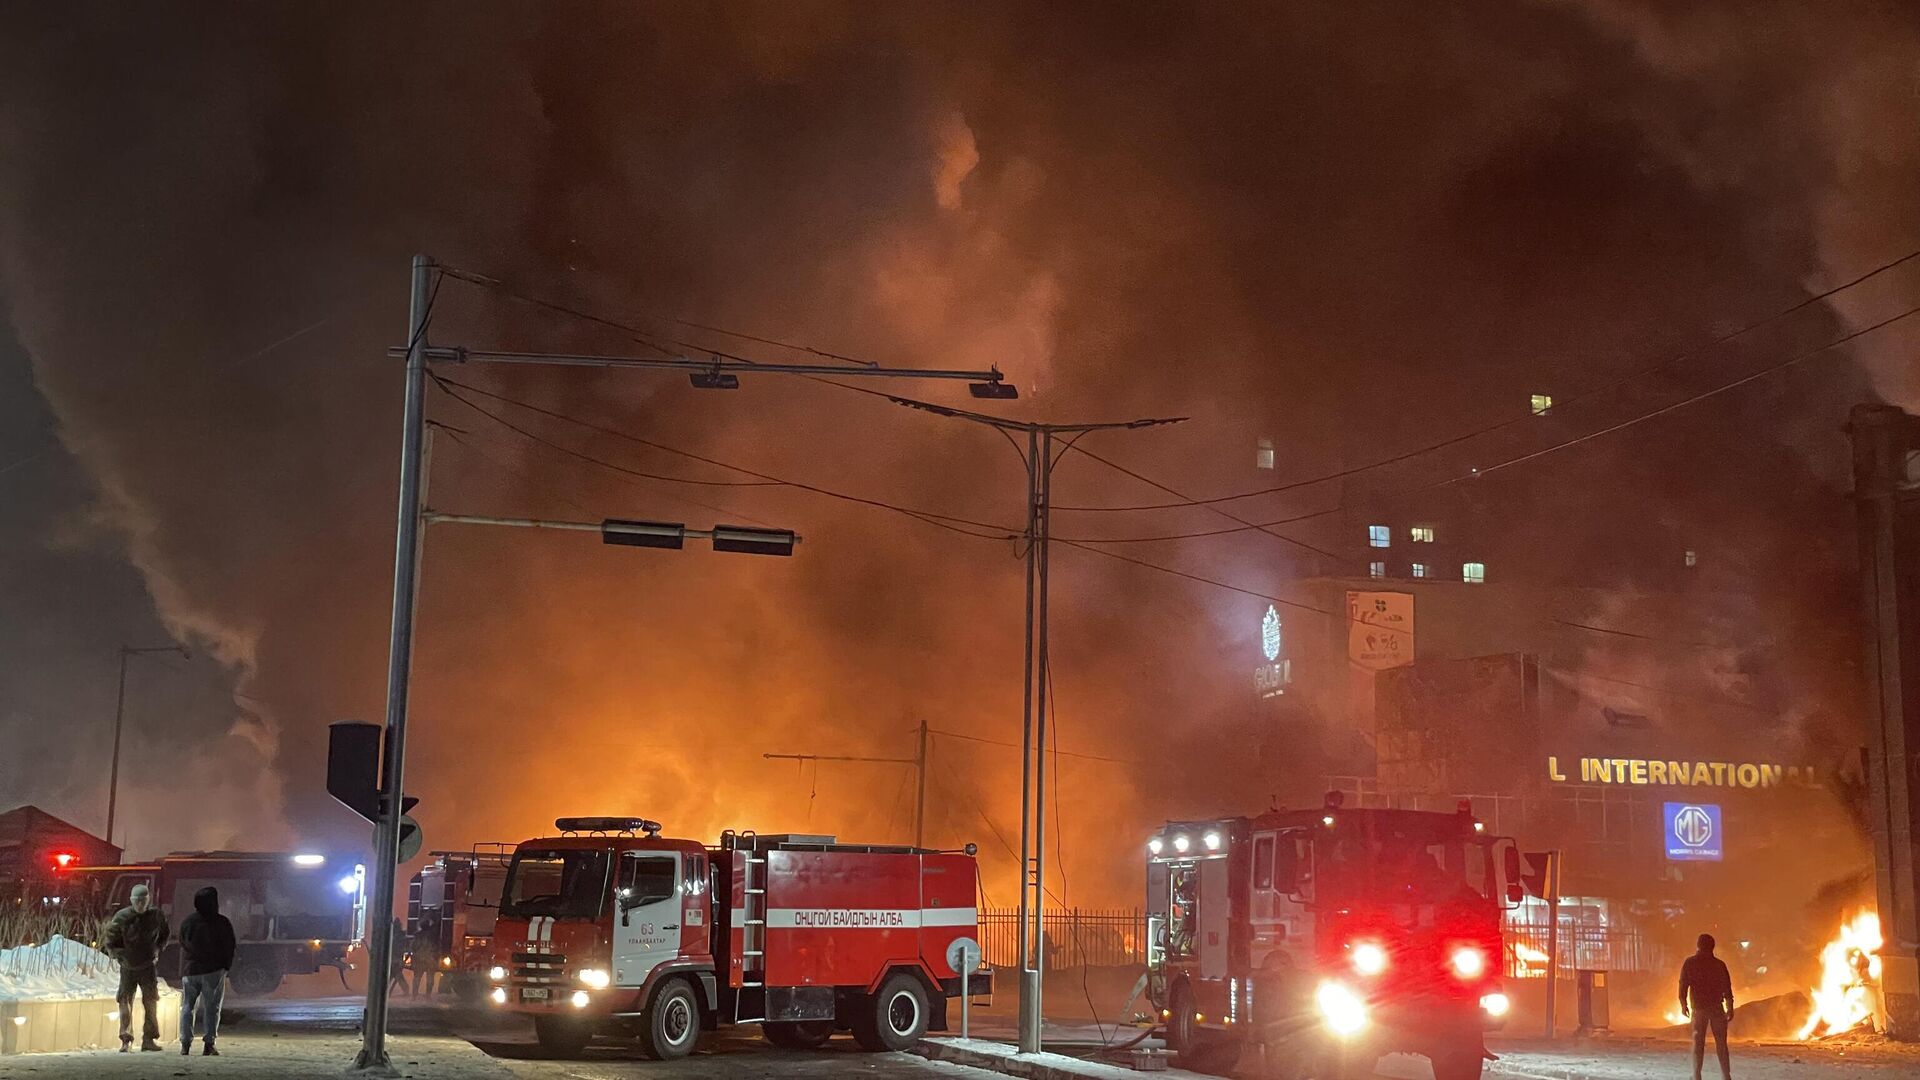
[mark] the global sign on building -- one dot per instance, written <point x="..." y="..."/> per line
<point x="1271" y="678"/>
<point x="1693" y="832"/>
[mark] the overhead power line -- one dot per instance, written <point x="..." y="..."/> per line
<point x="1465" y="436"/>
<point x="965" y="526"/>
<point x="1477" y="472"/>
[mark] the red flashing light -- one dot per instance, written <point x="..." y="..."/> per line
<point x="63" y="859"/>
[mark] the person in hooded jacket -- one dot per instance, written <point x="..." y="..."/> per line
<point x="206" y="946"/>
<point x="135" y="935"/>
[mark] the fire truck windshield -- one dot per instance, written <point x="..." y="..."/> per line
<point x="559" y="882"/>
<point x="1411" y="869"/>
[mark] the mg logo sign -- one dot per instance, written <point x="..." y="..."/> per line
<point x="1693" y="832"/>
<point x="1692" y="826"/>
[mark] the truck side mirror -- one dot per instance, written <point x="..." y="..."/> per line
<point x="1286" y="865"/>
<point x="1510" y="873"/>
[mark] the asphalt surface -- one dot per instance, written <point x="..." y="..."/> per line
<point x="315" y="1037"/>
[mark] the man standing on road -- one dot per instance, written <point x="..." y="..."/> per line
<point x="135" y="935"/>
<point x="1706" y="995"/>
<point x="207" y="945"/>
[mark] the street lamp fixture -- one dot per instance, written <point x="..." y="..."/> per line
<point x="994" y="390"/>
<point x="714" y="380"/>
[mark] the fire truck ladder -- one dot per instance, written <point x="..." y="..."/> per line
<point x="753" y="928"/>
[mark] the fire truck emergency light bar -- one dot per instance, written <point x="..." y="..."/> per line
<point x="648" y="534"/>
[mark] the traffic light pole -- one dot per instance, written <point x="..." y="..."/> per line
<point x="372" y="1059"/>
<point x="711" y="374"/>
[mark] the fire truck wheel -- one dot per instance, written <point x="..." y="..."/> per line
<point x="673" y="1022"/>
<point x="798" y="1034"/>
<point x="894" y="1018"/>
<point x="255" y="976"/>
<point x="1459" y="1063"/>
<point x="562" y="1036"/>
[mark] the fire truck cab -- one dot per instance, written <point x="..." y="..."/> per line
<point x="1326" y="938"/>
<point x="612" y="929"/>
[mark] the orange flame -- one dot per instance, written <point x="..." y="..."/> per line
<point x="1849" y="978"/>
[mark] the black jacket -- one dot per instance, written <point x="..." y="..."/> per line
<point x="206" y="937"/>
<point x="135" y="938"/>
<point x="1705" y="984"/>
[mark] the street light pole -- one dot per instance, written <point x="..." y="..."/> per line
<point x="1035" y="683"/>
<point x="119" y="718"/>
<point x="707" y="374"/>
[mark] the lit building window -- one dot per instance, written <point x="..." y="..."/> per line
<point x="1693" y="557"/>
<point x="1421" y="534"/>
<point x="1542" y="404"/>
<point x="1379" y="536"/>
<point x="1419" y="569"/>
<point x="1263" y="457"/>
<point x="1474" y="573"/>
<point x="1376" y="569"/>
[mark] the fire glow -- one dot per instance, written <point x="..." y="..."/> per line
<point x="1849" y="978"/>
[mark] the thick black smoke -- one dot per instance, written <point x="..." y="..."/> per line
<point x="1351" y="228"/>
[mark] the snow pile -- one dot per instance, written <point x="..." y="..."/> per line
<point x="60" y="969"/>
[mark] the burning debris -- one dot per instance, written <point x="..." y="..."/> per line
<point x="1849" y="992"/>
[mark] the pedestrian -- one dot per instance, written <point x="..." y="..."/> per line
<point x="207" y="946"/>
<point x="425" y="956"/>
<point x="135" y="935"/>
<point x="1706" y="995"/>
<point x="397" y="959"/>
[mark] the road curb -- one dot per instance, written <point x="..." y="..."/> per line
<point x="1002" y="1058"/>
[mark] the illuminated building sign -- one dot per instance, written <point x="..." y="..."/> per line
<point x="1644" y="772"/>
<point x="1693" y="832"/>
<point x="1271" y="678"/>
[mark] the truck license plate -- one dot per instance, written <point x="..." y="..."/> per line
<point x="534" y="995"/>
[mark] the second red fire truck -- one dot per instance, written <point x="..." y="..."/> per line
<point x="612" y="929"/>
<point x="1326" y="938"/>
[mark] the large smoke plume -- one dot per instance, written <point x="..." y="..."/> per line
<point x="1347" y="227"/>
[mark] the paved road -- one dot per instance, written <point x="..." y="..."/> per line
<point x="315" y="1038"/>
<point x="1657" y="1060"/>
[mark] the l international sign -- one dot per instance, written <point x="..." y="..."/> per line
<point x="1693" y="832"/>
<point x="1662" y="772"/>
<point x="1379" y="629"/>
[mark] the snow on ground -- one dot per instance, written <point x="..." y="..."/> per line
<point x="59" y="969"/>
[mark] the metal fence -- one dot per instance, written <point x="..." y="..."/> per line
<point x="1075" y="937"/>
<point x="1596" y="948"/>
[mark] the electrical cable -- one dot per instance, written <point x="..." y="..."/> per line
<point x="1476" y="473"/>
<point x="945" y="521"/>
<point x="620" y="474"/>
<point x="1336" y="558"/>
<point x="1016" y="746"/>
<point x="591" y="459"/>
<point x="991" y="827"/>
<point x="1511" y="421"/>
<point x="1060" y="853"/>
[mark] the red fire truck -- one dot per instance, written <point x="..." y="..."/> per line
<point x="612" y="929"/>
<point x="1326" y="938"/>
<point x="457" y="896"/>
<point x="292" y="913"/>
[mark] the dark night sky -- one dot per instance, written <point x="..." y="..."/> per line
<point x="1350" y="227"/>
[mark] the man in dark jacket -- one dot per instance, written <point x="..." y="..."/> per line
<point x="1706" y="995"/>
<point x="135" y="935"/>
<point x="206" y="946"/>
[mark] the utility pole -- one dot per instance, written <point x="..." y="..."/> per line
<point x="1886" y="492"/>
<point x="119" y="718"/>
<point x="709" y="374"/>
<point x="1553" y="936"/>
<point x="1036" y="681"/>
<point x="918" y="761"/>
